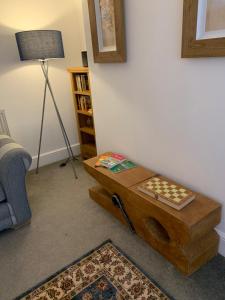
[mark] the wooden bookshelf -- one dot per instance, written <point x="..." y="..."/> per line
<point x="87" y="93"/>
<point x="88" y="130"/>
<point x="81" y="91"/>
<point x="83" y="112"/>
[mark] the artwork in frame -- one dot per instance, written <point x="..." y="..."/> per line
<point x="107" y="30"/>
<point x="203" y="28"/>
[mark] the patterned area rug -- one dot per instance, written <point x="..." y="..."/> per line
<point x="104" y="273"/>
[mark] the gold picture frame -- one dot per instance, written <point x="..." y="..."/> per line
<point x="197" y="40"/>
<point x="107" y="30"/>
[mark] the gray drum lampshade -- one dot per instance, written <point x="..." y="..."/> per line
<point x="39" y="44"/>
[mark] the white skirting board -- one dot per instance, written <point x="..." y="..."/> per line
<point x="222" y="242"/>
<point x="54" y="156"/>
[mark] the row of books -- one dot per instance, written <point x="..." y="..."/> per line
<point x="82" y="82"/>
<point x="84" y="103"/>
<point x="114" y="162"/>
<point x="167" y="192"/>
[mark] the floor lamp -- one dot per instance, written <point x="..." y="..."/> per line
<point x="43" y="45"/>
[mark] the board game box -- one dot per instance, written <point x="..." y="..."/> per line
<point x="114" y="162"/>
<point x="167" y="192"/>
<point x="110" y="160"/>
<point x="123" y="166"/>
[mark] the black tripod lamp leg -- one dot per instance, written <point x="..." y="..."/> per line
<point x="65" y="136"/>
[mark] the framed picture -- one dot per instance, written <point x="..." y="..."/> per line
<point x="107" y="30"/>
<point x="203" y="28"/>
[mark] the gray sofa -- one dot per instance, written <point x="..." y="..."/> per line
<point x="14" y="164"/>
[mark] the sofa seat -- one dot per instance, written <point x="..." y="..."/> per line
<point x="14" y="164"/>
<point x="5" y="217"/>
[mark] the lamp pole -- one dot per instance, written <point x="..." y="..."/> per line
<point x="71" y="158"/>
<point x="42" y="121"/>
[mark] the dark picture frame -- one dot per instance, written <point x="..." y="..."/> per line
<point x="117" y="52"/>
<point x="193" y="47"/>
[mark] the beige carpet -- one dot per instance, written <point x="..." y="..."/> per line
<point x="66" y="224"/>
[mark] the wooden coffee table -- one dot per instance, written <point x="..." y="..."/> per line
<point x="186" y="238"/>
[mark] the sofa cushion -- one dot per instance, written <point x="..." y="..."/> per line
<point x="2" y="194"/>
<point x="8" y="145"/>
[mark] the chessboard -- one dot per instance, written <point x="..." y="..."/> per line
<point x="168" y="192"/>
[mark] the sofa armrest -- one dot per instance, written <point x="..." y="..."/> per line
<point x="13" y="168"/>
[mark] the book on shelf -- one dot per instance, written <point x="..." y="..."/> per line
<point x="167" y="192"/>
<point x="84" y="103"/>
<point x="82" y="83"/>
<point x="114" y="162"/>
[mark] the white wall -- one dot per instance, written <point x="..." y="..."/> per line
<point x="22" y="83"/>
<point x="162" y="111"/>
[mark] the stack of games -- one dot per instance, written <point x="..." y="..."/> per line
<point x="167" y="192"/>
<point x="114" y="162"/>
